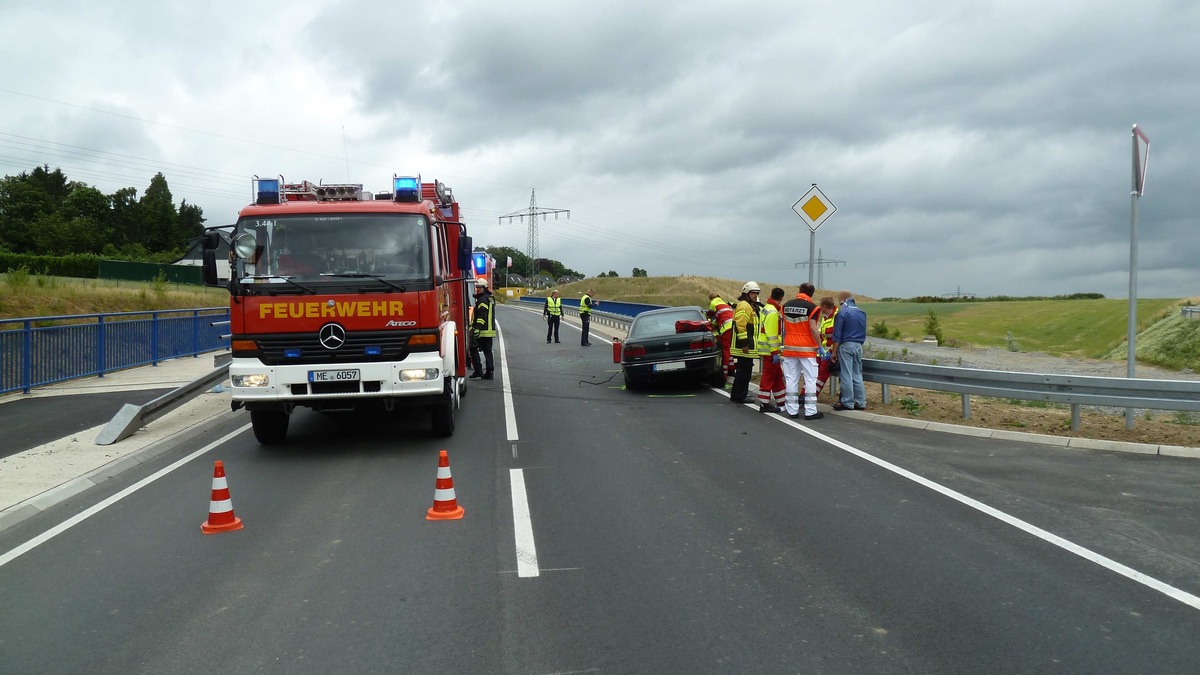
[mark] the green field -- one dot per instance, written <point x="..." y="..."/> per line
<point x="1080" y="328"/>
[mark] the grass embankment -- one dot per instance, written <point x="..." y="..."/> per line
<point x="28" y="295"/>
<point x="1173" y="342"/>
<point x="1079" y="328"/>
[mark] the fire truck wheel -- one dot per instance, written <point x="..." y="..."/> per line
<point x="270" y="427"/>
<point x="443" y="413"/>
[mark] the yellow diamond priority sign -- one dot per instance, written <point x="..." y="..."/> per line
<point x="814" y="208"/>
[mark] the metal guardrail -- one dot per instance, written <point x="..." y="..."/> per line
<point x="1073" y="390"/>
<point x="33" y="353"/>
<point x="132" y="417"/>
<point x="1190" y="312"/>
<point x="612" y="307"/>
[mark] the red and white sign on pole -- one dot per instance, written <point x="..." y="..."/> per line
<point x="1141" y="157"/>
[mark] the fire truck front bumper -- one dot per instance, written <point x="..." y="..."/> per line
<point x="419" y="375"/>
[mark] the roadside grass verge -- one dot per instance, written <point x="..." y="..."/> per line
<point x="1078" y="328"/>
<point x="27" y="295"/>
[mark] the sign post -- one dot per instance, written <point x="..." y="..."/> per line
<point x="1141" y="157"/>
<point x="813" y="208"/>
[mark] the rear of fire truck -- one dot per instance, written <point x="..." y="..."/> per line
<point x="341" y="300"/>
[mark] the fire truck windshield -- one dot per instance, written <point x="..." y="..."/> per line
<point x="316" y="249"/>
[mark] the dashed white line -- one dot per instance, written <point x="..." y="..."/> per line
<point x="527" y="563"/>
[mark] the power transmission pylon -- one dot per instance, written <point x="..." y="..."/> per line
<point x="821" y="263"/>
<point x="532" y="213"/>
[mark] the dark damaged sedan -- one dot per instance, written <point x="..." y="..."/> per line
<point x="671" y="344"/>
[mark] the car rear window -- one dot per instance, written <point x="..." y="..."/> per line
<point x="662" y="324"/>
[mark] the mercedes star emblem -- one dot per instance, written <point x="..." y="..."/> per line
<point x="332" y="336"/>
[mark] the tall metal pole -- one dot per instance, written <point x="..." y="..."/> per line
<point x="812" y="253"/>
<point x="533" y="234"/>
<point x="1131" y="356"/>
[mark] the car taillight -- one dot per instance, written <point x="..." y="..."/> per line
<point x="701" y="343"/>
<point x="633" y="350"/>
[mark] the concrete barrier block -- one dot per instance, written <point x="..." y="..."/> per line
<point x="1114" y="446"/>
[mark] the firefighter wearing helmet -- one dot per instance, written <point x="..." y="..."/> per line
<point x="743" y="349"/>
<point x="483" y="331"/>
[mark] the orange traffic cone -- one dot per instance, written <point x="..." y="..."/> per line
<point x="220" y="507"/>
<point x="445" y="505"/>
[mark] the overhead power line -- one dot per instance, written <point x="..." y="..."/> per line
<point x="532" y="214"/>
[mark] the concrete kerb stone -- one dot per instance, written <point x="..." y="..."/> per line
<point x="1178" y="451"/>
<point x="959" y="429"/>
<point x="1114" y="446"/>
<point x="1026" y="437"/>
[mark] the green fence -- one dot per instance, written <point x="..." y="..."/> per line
<point x="136" y="271"/>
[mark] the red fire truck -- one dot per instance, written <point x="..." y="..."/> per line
<point x="342" y="299"/>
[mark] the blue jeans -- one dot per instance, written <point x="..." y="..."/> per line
<point x="850" y="362"/>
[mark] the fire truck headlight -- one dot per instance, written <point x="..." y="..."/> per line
<point x="419" y="374"/>
<point x="255" y="380"/>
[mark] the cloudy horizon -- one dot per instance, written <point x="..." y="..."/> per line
<point x="981" y="147"/>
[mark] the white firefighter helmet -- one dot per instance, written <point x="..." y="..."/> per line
<point x="481" y="283"/>
<point x="750" y="287"/>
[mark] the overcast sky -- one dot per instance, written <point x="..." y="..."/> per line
<point x="975" y="145"/>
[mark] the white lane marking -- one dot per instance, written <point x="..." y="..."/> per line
<point x="97" y="508"/>
<point x="527" y="565"/>
<point x="510" y="414"/>
<point x="1029" y="528"/>
<point x="514" y="447"/>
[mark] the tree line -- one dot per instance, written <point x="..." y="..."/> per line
<point x="42" y="212"/>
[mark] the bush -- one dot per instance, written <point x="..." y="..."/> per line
<point x="880" y="329"/>
<point x="1011" y="343"/>
<point x="934" y="327"/>
<point x="18" y="278"/>
<point x="910" y="405"/>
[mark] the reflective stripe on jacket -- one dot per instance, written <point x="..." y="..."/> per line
<point x="484" y="323"/>
<point x="798" y="340"/>
<point x="723" y="319"/>
<point x="769" y="335"/>
<point x="585" y="304"/>
<point x="745" y="328"/>
<point x="554" y="307"/>
<point x="827" y="330"/>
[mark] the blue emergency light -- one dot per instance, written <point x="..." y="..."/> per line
<point x="372" y="350"/>
<point x="266" y="190"/>
<point x="406" y="189"/>
<point x="291" y="353"/>
<point x="480" y="262"/>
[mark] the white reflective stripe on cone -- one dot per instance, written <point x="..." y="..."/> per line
<point x="222" y="506"/>
<point x="443" y="495"/>
<point x="443" y="472"/>
<point x="220" y="484"/>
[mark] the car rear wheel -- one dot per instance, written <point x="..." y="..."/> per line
<point x="633" y="382"/>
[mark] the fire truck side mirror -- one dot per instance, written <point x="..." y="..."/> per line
<point x="465" y="247"/>
<point x="209" y="268"/>
<point x="211" y="240"/>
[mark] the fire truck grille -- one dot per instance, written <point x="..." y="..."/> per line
<point x="305" y="349"/>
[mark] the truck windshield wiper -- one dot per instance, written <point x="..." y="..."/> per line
<point x="355" y="275"/>
<point x="287" y="279"/>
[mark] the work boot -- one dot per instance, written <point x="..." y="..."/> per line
<point x="475" y="375"/>
<point x="488" y="376"/>
<point x="766" y="408"/>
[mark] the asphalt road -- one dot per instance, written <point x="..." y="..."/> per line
<point x="666" y="533"/>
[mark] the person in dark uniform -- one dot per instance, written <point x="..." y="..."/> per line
<point x="483" y="330"/>
<point x="552" y="312"/>
<point x="586" y="304"/>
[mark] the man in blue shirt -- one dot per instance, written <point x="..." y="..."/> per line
<point x="849" y="334"/>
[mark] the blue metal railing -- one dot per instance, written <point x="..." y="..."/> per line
<point x="35" y="354"/>
<point x="630" y="309"/>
